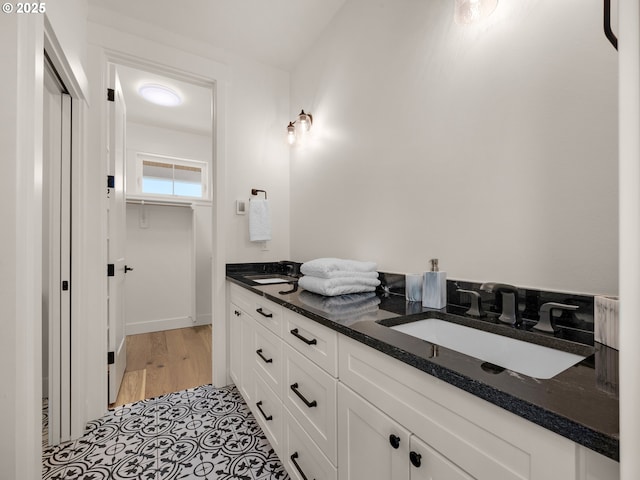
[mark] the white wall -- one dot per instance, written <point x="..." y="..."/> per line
<point x="159" y="290"/>
<point x="257" y="114"/>
<point x="21" y="116"/>
<point x="173" y="143"/>
<point x="629" y="358"/>
<point x="492" y="147"/>
<point x="69" y="21"/>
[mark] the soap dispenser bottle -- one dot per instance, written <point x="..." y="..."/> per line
<point x="434" y="287"/>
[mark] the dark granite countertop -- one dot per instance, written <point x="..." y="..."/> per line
<point x="580" y="403"/>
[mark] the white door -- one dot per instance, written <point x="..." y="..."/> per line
<point x="371" y="446"/>
<point x="116" y="219"/>
<point x="56" y="255"/>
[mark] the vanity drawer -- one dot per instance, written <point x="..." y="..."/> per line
<point x="315" y="341"/>
<point x="268" y="314"/>
<point x="310" y="395"/>
<point x="302" y="458"/>
<point x="267" y="409"/>
<point x="267" y="351"/>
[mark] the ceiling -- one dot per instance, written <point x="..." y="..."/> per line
<point x="193" y="115"/>
<point x="274" y="32"/>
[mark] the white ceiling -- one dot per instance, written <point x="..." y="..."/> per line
<point x="193" y="115"/>
<point x="275" y="32"/>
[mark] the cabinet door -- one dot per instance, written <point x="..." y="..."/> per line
<point x="371" y="446"/>
<point x="241" y="355"/>
<point x="246" y="385"/>
<point x="427" y="464"/>
<point x="235" y="344"/>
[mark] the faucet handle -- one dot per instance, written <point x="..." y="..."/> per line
<point x="546" y="322"/>
<point x="476" y="303"/>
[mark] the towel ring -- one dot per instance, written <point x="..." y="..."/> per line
<point x="255" y="191"/>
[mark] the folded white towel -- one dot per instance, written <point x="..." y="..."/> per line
<point x="259" y="220"/>
<point x="342" y="274"/>
<point x="338" y="286"/>
<point x="343" y="309"/>
<point x="322" y="267"/>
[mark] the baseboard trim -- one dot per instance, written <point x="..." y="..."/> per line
<point x="160" y="325"/>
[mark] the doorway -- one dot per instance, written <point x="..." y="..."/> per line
<point x="167" y="238"/>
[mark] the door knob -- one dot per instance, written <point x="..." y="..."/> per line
<point x="394" y="440"/>
<point x="416" y="459"/>
<point x="127" y="268"/>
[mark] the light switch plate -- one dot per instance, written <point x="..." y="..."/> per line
<point x="241" y="207"/>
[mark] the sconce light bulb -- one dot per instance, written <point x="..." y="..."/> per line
<point x="291" y="133"/>
<point x="304" y="120"/>
<point x="468" y="12"/>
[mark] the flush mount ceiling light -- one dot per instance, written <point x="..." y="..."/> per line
<point x="468" y="12"/>
<point x="159" y="94"/>
<point x="303" y="121"/>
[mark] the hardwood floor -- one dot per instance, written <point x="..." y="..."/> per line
<point x="165" y="362"/>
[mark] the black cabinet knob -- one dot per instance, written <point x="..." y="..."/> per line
<point x="394" y="440"/>
<point x="416" y="459"/>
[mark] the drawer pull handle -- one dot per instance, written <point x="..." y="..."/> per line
<point x="237" y="313"/>
<point x="309" y="404"/>
<point x="264" y="359"/>
<point x="296" y="334"/>
<point x="416" y="459"/>
<point x="394" y="440"/>
<point x="295" y="464"/>
<point x="268" y="315"/>
<point x="268" y="418"/>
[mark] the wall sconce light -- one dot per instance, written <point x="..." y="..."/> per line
<point x="472" y="11"/>
<point x="304" y="122"/>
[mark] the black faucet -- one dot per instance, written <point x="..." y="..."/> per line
<point x="510" y="313"/>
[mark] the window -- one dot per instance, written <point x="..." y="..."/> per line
<point x="175" y="177"/>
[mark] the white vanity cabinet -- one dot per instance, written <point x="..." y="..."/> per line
<point x="334" y="408"/>
<point x="457" y="435"/>
<point x="285" y="367"/>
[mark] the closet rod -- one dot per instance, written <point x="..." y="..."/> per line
<point x="163" y="204"/>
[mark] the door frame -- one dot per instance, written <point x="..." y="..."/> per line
<point x="137" y="52"/>
<point x="76" y="84"/>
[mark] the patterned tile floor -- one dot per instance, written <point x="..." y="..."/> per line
<point x="201" y="433"/>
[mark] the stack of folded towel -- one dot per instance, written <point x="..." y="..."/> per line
<point x="334" y="276"/>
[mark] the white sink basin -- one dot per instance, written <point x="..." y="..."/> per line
<point x="270" y="279"/>
<point x="266" y="281"/>
<point x="522" y="357"/>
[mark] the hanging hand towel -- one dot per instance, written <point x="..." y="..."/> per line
<point x="259" y="220"/>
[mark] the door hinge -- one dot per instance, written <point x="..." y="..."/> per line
<point x="111" y="94"/>
<point x="111" y="181"/>
<point x="111" y="270"/>
<point x="111" y="358"/>
<point x="65" y="285"/>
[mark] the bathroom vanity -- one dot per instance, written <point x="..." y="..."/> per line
<point x="353" y="398"/>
